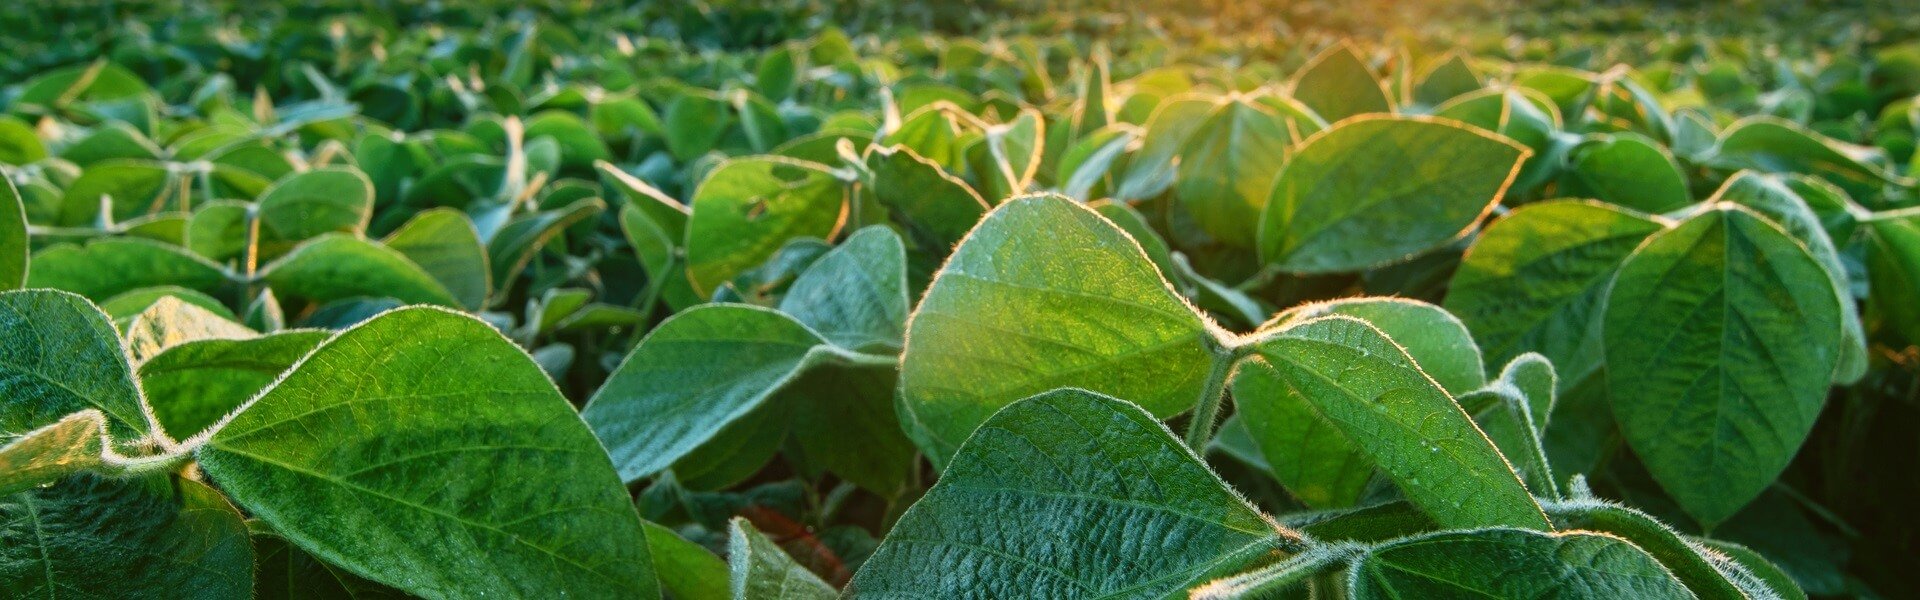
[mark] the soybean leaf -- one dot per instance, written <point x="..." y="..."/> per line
<point x="1307" y="453"/>
<point x="1045" y="293"/>
<point x="443" y="242"/>
<point x="924" y="195"/>
<point x="1337" y="84"/>
<point x="1227" y="168"/>
<point x="1436" y="341"/>
<point x="843" y="421"/>
<point x="1448" y="79"/>
<point x="75" y="443"/>
<point x="687" y="571"/>
<point x="1719" y="354"/>
<point x="1628" y="170"/>
<point x="285" y="572"/>
<point x="1512" y="411"/>
<point x="170" y="322"/>
<point x="1524" y="116"/>
<point x="509" y="251"/>
<point x="307" y="204"/>
<point x="1152" y="168"/>
<point x="94" y="537"/>
<point x="856" y="294"/>
<point x="695" y="373"/>
<point x="695" y="122"/>
<point x="1008" y="155"/>
<point x="1508" y="563"/>
<point x="191" y="385"/>
<point x="747" y="208"/>
<point x="107" y="267"/>
<point x="336" y="266"/>
<point x="1363" y="383"/>
<point x="760" y="570"/>
<point x="60" y="355"/>
<point x="1772" y="198"/>
<point x="1893" y="258"/>
<point x="1775" y="145"/>
<point x="1536" y="281"/>
<point x="14" y="250"/>
<point x="127" y="305"/>
<point x="1070" y="494"/>
<point x="422" y="450"/>
<point x="1375" y="191"/>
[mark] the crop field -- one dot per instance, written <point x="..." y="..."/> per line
<point x="940" y="299"/>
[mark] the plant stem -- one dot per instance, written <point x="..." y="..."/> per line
<point x="854" y="358"/>
<point x="1278" y="576"/>
<point x="1200" y="429"/>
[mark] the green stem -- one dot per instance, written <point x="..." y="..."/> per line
<point x="1265" y="581"/>
<point x="1662" y="542"/>
<point x="1200" y="429"/>
<point x="854" y="358"/>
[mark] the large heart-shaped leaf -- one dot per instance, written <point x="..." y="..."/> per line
<point x="1227" y="167"/>
<point x="1509" y="563"/>
<point x="1719" y="350"/>
<point x="1045" y="293"/>
<point x="94" y="537"/>
<point x="1536" y="281"/>
<point x="60" y="355"/>
<point x="304" y="205"/>
<point x="107" y="267"/>
<point x="423" y="450"/>
<point x="1378" y="190"/>
<point x="1775" y="200"/>
<point x="1362" y="382"/>
<point x="746" y="209"/>
<point x="1071" y="494"/>
<point x="1338" y="84"/>
<point x="1628" y="170"/>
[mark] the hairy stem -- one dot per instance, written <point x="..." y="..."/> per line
<point x="1263" y="582"/>
<point x="1200" y="429"/>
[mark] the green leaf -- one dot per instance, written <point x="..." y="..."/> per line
<point x="1358" y="379"/>
<point x="1152" y="168"/>
<point x="127" y="305"/>
<point x="288" y="573"/>
<point x="687" y="571"/>
<point x="692" y="375"/>
<point x="695" y="122"/>
<point x="1008" y="155"/>
<point x="153" y="537"/>
<point x="1773" y="199"/>
<point x="170" y="322"/>
<point x="1628" y="170"/>
<point x="760" y="570"/>
<point x="1776" y="145"/>
<point x="1436" y="341"/>
<point x="1307" y="453"/>
<point x="336" y="266"/>
<point x="747" y="208"/>
<point x="1337" y="84"/>
<point x="1093" y="161"/>
<point x="1227" y="168"/>
<point x="443" y="242"/>
<point x="325" y="200"/>
<point x="1721" y="337"/>
<point x="1893" y="260"/>
<point x="14" y="249"/>
<point x="191" y="385"/>
<point x="856" y="294"/>
<point x="1450" y="78"/>
<point x="510" y="250"/>
<point x="1071" y="494"/>
<point x="75" y="443"/>
<point x="843" y="421"/>
<point x="1376" y="191"/>
<point x="60" y="355"/>
<point x="1510" y="563"/>
<point x="1045" y="293"/>
<point x="107" y="267"/>
<point x="923" y="194"/>
<point x="422" y="450"/>
<point x="128" y="188"/>
<point x="1536" y="281"/>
